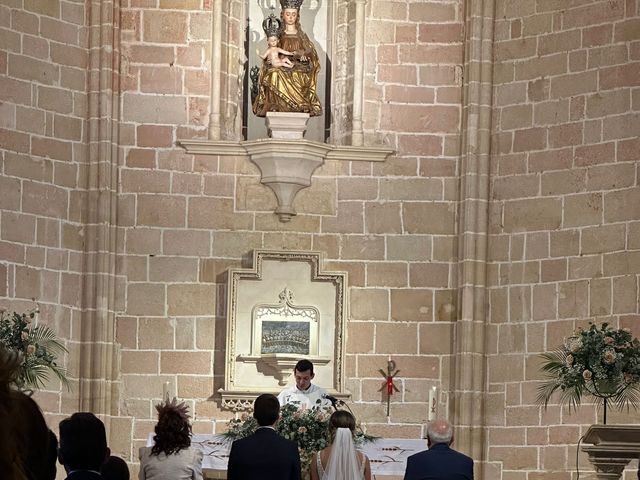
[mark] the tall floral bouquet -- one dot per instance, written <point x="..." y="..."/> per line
<point x="309" y="428"/>
<point x="36" y="344"/>
<point x="601" y="362"/>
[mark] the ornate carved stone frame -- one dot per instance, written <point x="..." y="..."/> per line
<point x="248" y="375"/>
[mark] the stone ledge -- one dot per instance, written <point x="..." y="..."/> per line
<point x="286" y="165"/>
<point x="611" y="449"/>
<point x="334" y="152"/>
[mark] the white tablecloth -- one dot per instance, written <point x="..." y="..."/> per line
<point x="388" y="456"/>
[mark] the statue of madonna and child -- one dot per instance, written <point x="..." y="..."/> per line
<point x="288" y="75"/>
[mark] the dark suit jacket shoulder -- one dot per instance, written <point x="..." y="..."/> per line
<point x="265" y="455"/>
<point x="439" y="463"/>
<point x="83" y="475"/>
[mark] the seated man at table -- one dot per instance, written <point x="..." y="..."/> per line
<point x="440" y="462"/>
<point x="305" y="393"/>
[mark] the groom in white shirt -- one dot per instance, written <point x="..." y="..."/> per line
<point x="305" y="393"/>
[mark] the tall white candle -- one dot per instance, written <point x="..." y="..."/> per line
<point x="165" y="390"/>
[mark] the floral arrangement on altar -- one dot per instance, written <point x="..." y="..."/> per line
<point x="309" y="428"/>
<point x="37" y="346"/>
<point x="598" y="361"/>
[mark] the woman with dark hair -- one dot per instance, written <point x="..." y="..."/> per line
<point x="10" y="459"/>
<point x="340" y="460"/>
<point x="27" y="446"/>
<point x="172" y="457"/>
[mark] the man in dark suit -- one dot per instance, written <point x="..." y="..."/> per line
<point x="265" y="455"/>
<point x="83" y="446"/>
<point x="439" y="462"/>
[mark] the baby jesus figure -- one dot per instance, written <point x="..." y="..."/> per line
<point x="272" y="54"/>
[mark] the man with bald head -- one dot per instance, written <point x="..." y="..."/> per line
<point x="439" y="462"/>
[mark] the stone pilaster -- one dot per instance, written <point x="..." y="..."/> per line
<point x="96" y="367"/>
<point x="469" y="377"/>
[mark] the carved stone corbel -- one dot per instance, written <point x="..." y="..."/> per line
<point x="612" y="448"/>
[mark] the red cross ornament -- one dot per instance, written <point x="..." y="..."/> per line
<point x="388" y="381"/>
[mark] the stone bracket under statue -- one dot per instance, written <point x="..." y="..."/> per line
<point x="286" y="160"/>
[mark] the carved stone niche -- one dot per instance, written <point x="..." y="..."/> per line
<point x="283" y="309"/>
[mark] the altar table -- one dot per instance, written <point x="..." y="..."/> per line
<point x="388" y="456"/>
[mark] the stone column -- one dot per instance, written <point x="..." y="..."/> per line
<point x="469" y="377"/>
<point x="357" y="134"/>
<point x="97" y="329"/>
<point x="216" y="62"/>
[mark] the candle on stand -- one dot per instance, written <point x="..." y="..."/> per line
<point x="165" y="390"/>
<point x="433" y="402"/>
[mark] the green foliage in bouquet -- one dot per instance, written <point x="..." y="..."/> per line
<point x="38" y="347"/>
<point x="601" y="362"/>
<point x="309" y="428"/>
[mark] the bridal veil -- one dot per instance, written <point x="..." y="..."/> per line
<point x="343" y="462"/>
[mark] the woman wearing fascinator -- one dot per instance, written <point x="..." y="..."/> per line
<point x="340" y="460"/>
<point x="172" y="457"/>
<point x="290" y="89"/>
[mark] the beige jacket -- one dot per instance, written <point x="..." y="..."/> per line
<point x="183" y="465"/>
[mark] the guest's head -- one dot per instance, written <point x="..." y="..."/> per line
<point x="341" y="419"/>
<point x="83" y="442"/>
<point x="266" y="409"/>
<point x="439" y="431"/>
<point x="9" y="451"/>
<point x="114" y="468"/>
<point x="173" y="430"/>
<point x="9" y="364"/>
<point x="27" y="446"/>
<point x="303" y="371"/>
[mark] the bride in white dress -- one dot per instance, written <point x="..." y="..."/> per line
<point x="340" y="460"/>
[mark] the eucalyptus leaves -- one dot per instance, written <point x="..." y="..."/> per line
<point x="599" y="361"/>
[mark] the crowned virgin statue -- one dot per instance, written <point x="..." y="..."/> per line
<point x="288" y="85"/>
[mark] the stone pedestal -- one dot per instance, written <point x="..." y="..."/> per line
<point x="611" y="448"/>
<point x="287" y="125"/>
<point x="286" y="167"/>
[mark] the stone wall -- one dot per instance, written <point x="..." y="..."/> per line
<point x="184" y="220"/>
<point x="564" y="246"/>
<point x="43" y="135"/>
<point x="152" y="253"/>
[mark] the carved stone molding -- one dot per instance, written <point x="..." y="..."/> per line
<point x="199" y="146"/>
<point x="286" y="165"/>
<point x="251" y="369"/>
<point x="611" y="449"/>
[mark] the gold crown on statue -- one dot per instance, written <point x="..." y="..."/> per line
<point x="272" y="26"/>
<point x="291" y="4"/>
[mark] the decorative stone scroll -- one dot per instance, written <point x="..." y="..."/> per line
<point x="283" y="309"/>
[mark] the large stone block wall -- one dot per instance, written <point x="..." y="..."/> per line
<point x="183" y="220"/>
<point x="565" y="212"/>
<point x="564" y="221"/>
<point x="43" y="172"/>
